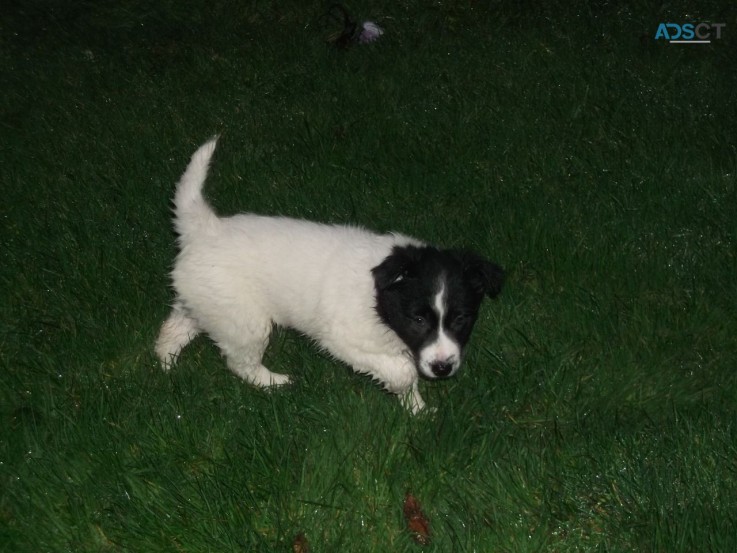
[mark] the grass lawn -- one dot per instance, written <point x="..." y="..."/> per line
<point x="597" y="409"/>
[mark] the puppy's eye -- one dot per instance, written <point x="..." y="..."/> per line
<point x="461" y="319"/>
<point x="419" y="321"/>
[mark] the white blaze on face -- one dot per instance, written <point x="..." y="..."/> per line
<point x="443" y="349"/>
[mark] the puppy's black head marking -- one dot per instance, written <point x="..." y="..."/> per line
<point x="483" y="275"/>
<point x="430" y="298"/>
<point x="396" y="267"/>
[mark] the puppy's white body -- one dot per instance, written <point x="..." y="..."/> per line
<point x="235" y="277"/>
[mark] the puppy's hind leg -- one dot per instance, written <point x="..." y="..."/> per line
<point x="257" y="374"/>
<point x="177" y="331"/>
<point x="244" y="351"/>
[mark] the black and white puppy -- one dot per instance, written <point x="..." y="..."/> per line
<point x="388" y="305"/>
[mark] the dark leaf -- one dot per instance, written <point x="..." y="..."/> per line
<point x="417" y="522"/>
<point x="300" y="544"/>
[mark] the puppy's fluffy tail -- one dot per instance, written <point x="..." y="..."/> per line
<point x="192" y="214"/>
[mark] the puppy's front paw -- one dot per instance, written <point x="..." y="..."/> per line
<point x="413" y="401"/>
<point x="276" y="380"/>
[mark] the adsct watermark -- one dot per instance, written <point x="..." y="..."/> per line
<point x="689" y="33"/>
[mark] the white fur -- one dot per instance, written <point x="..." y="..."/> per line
<point x="443" y="349"/>
<point x="237" y="276"/>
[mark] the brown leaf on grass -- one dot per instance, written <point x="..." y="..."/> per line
<point x="417" y="522"/>
<point x="300" y="544"/>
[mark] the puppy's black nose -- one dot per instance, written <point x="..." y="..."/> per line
<point x="441" y="368"/>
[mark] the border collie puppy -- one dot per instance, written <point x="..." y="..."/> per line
<point x="388" y="305"/>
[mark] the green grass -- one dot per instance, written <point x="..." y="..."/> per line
<point x="597" y="407"/>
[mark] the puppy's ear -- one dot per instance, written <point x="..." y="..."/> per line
<point x="396" y="267"/>
<point x="484" y="276"/>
